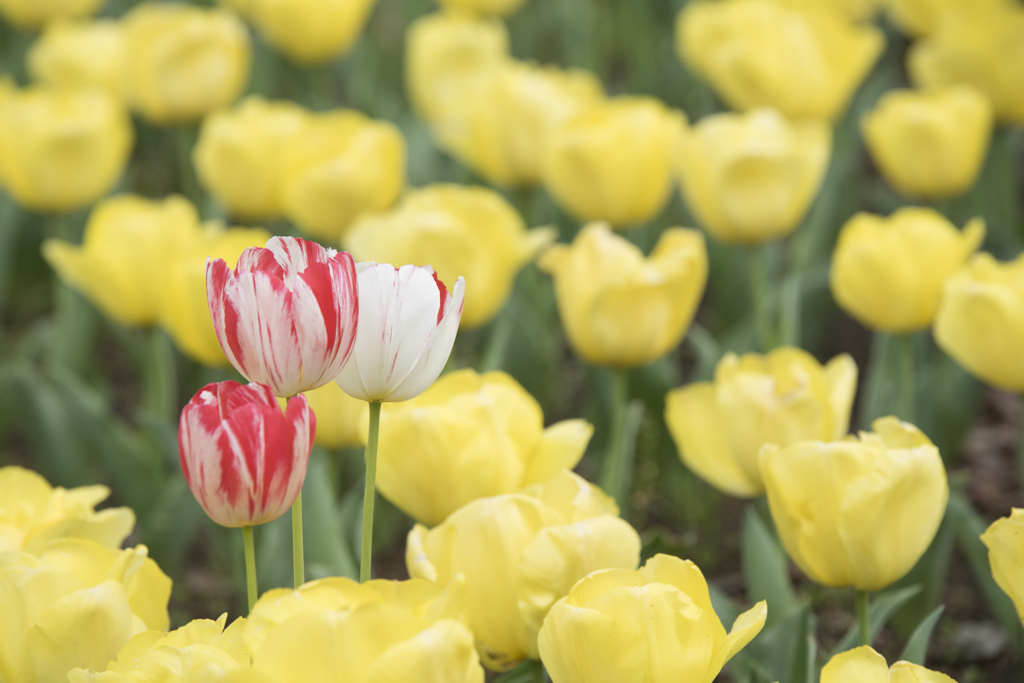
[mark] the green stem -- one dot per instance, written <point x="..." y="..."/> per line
<point x="760" y="288"/>
<point x="862" y="617"/>
<point x="298" y="556"/>
<point x="908" y="388"/>
<point x="626" y="417"/>
<point x="185" y="139"/>
<point x="789" y="311"/>
<point x="369" y="493"/>
<point x="160" y="376"/>
<point x="250" y="566"/>
<point x="493" y="357"/>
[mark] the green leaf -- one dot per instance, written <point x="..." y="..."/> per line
<point x="780" y="653"/>
<point x="526" y="672"/>
<point x="327" y="551"/>
<point x="883" y="606"/>
<point x="764" y="568"/>
<point x="917" y="646"/>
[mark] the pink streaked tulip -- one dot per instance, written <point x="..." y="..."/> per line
<point x="244" y="459"/>
<point x="407" y="325"/>
<point x="286" y="316"/>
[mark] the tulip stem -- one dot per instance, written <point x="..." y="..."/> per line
<point x="369" y="493"/>
<point x="250" y="566"/>
<point x="908" y="388"/>
<point x="298" y="556"/>
<point x="617" y="468"/>
<point x="759" y="290"/>
<point x="863" y="608"/>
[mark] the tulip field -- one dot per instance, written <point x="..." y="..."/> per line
<point x="466" y="341"/>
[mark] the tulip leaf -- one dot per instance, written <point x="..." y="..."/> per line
<point x="765" y="568"/>
<point x="917" y="646"/>
<point x="883" y="605"/>
<point x="528" y="671"/>
<point x="781" y="652"/>
<point x="327" y="549"/>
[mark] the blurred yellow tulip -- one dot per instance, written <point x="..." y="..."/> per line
<point x="888" y="273"/>
<point x="612" y="161"/>
<point x="75" y="606"/>
<point x="922" y="17"/>
<point x="34" y="14"/>
<point x="520" y="553"/>
<point x="1005" y="542"/>
<point x="342" y="165"/>
<point x="238" y="156"/>
<point x="184" y="61"/>
<point x="750" y="178"/>
<point x="656" y="625"/>
<point x="978" y="46"/>
<point x="618" y="308"/>
<point x="864" y="665"/>
<point x="61" y="149"/>
<point x="121" y="263"/>
<point x="80" y="54"/>
<point x="483" y="435"/>
<point x="340" y="419"/>
<point x="782" y="397"/>
<point x="502" y="8"/>
<point x="980" y="321"/>
<point x="761" y="53"/>
<point x="471" y="232"/>
<point x="310" y="31"/>
<point x="856" y="10"/>
<point x="184" y="311"/>
<point x="857" y="512"/>
<point x="929" y="144"/>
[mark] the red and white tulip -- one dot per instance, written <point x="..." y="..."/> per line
<point x="407" y="326"/>
<point x="244" y="459"/>
<point x="286" y="316"/>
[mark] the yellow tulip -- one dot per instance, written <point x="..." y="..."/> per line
<point x="340" y="421"/>
<point x="520" y="553"/>
<point x="1005" y="542"/>
<point x="612" y="161"/>
<point x="61" y="149"/>
<point x="342" y="165"/>
<point x="310" y="31"/>
<point x="760" y="53"/>
<point x="618" y="308"/>
<point x="80" y="54"/>
<point x="864" y="665"/>
<point x="184" y="61"/>
<point x="857" y="512"/>
<point x="75" y="606"/>
<point x="33" y="513"/>
<point x="460" y="231"/>
<point x="184" y="311"/>
<point x="922" y="17"/>
<point x="781" y="397"/>
<point x="656" y="624"/>
<point x="888" y="273"/>
<point x="982" y="47"/>
<point x="445" y="49"/>
<point x="749" y="178"/>
<point x="980" y="321"/>
<point x="124" y="253"/>
<point x="856" y="10"/>
<point x="483" y="435"/>
<point x="502" y="8"/>
<point x="33" y="14"/>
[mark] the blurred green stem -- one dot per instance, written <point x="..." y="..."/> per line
<point x="496" y="349"/>
<point x="789" y="311"/>
<point x="908" y="388"/>
<point x="863" y="608"/>
<point x="617" y="468"/>
<point x="160" y="376"/>
<point x="250" y="566"/>
<point x="298" y="555"/>
<point x="369" y="493"/>
<point x="760" y="287"/>
<point x="185" y="139"/>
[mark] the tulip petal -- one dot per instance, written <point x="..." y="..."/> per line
<point x="561" y="447"/>
<point x="905" y="672"/>
<point x="1005" y="542"/>
<point x="443" y="653"/>
<point x="744" y="629"/>
<point x="841" y="376"/>
<point x="861" y="664"/>
<point x="585" y="646"/>
<point x="148" y="594"/>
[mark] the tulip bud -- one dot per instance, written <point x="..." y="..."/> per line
<point x="543" y="540"/>
<point x="618" y="308"/>
<point x="29" y="15"/>
<point x="122" y="261"/>
<point x="613" y="160"/>
<point x="310" y="31"/>
<point x="980" y="321"/>
<point x="750" y="178"/>
<point x="929" y="144"/>
<point x="407" y="326"/>
<point x="243" y="458"/>
<point x="1005" y="542"/>
<point x="760" y="53"/>
<point x="864" y="664"/>
<point x="80" y="54"/>
<point x="184" y="61"/>
<point x="342" y="165"/>
<point x="286" y="315"/>
<point x="857" y="512"/>
<point x="62" y="149"/>
<point x="781" y="397"/>
<point x="502" y="8"/>
<point x="470" y="231"/>
<point x="888" y="273"/>
<point x="656" y="624"/>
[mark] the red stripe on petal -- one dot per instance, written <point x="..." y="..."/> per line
<point x="443" y="291"/>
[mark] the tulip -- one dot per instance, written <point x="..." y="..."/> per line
<point x="980" y="321"/>
<point x="863" y="664"/>
<point x="470" y="231"/>
<point x="857" y="512"/>
<point x="760" y="53"/>
<point x="888" y="273"/>
<point x="520" y="553"/>
<point x="781" y="397"/>
<point x="310" y="31"/>
<point x="502" y="8"/>
<point x="183" y="61"/>
<point x="619" y="309"/>
<point x="286" y="315"/>
<point x="923" y="17"/>
<point x="750" y="178"/>
<point x="29" y="15"/>
<point x="62" y="149"/>
<point x="239" y="152"/>
<point x="184" y="308"/>
<point x="339" y="422"/>
<point x="656" y="624"/>
<point x="612" y="161"/>
<point x="122" y="261"/>
<point x="75" y="606"/>
<point x="929" y="144"/>
<point x="483" y="435"/>
<point x="80" y="54"/>
<point x="33" y="513"/>
<point x="1005" y="542"/>
<point x="342" y="165"/>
